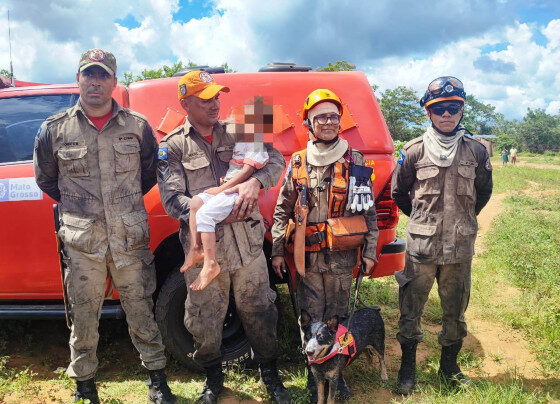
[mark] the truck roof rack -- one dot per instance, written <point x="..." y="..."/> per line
<point x="284" y="67"/>
<point x="211" y="70"/>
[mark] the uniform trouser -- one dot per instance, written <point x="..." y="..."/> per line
<point x="86" y="281"/>
<point x="205" y="312"/>
<point x="454" y="287"/>
<point x="324" y="294"/>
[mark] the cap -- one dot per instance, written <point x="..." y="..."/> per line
<point x="199" y="84"/>
<point x="98" y="57"/>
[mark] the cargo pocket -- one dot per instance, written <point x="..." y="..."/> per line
<point x="420" y="239"/>
<point x="198" y="172"/>
<point x="255" y="234"/>
<point x="225" y="153"/>
<point x="77" y="232"/>
<point x="465" y="179"/>
<point x="136" y="230"/>
<point x="466" y="235"/>
<point x="127" y="156"/>
<point x="427" y="180"/>
<point x="73" y="162"/>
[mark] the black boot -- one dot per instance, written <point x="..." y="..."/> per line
<point x="158" y="390"/>
<point x="311" y="386"/>
<point x="449" y="370"/>
<point x="273" y="384"/>
<point x="86" y="390"/>
<point x="407" y="372"/>
<point x="213" y="385"/>
<point x="342" y="389"/>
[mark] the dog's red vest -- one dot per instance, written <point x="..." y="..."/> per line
<point x="344" y="344"/>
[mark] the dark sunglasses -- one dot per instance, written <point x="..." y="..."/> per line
<point x="324" y="118"/>
<point x="440" y="109"/>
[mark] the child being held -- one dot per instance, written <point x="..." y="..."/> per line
<point x="214" y="205"/>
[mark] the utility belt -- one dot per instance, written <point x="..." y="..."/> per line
<point x="336" y="234"/>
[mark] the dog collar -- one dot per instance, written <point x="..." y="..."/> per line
<point x="344" y="344"/>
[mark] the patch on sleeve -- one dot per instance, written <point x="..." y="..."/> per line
<point x="288" y="172"/>
<point x="162" y="153"/>
<point x="488" y="165"/>
<point x="163" y="171"/>
<point x="401" y="158"/>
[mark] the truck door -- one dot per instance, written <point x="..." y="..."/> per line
<point x="28" y="258"/>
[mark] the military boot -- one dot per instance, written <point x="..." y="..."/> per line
<point x="86" y="390"/>
<point x="311" y="386"/>
<point x="158" y="390"/>
<point x="407" y="372"/>
<point x="342" y="389"/>
<point x="213" y="385"/>
<point x="273" y="384"/>
<point x="449" y="370"/>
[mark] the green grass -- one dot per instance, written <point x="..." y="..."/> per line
<point x="522" y="254"/>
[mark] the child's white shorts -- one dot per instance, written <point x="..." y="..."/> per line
<point x="215" y="209"/>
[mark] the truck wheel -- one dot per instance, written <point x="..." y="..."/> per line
<point x="170" y="311"/>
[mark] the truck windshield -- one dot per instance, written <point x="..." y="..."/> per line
<point x="20" y="119"/>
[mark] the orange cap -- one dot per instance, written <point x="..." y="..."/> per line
<point x="200" y="84"/>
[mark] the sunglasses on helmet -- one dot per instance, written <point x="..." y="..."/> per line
<point x="446" y="84"/>
<point x="440" y="109"/>
<point x="324" y="118"/>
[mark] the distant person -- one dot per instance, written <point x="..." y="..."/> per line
<point x="96" y="160"/>
<point x="513" y="155"/>
<point x="505" y="156"/>
<point x="443" y="179"/>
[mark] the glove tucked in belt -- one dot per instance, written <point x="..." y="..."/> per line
<point x="360" y="196"/>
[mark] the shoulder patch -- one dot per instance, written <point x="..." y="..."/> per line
<point x="488" y="165"/>
<point x="162" y="153"/>
<point x="401" y="157"/>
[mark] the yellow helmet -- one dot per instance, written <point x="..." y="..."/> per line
<point x="318" y="96"/>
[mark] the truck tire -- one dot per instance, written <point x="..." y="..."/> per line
<point x="169" y="313"/>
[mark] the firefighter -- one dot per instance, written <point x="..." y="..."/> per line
<point x="96" y="160"/>
<point x="443" y="179"/>
<point x="192" y="159"/>
<point x="323" y="289"/>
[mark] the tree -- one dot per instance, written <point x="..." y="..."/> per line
<point x="402" y="112"/>
<point x="164" y="71"/>
<point x="480" y="118"/>
<point x="340" y="66"/>
<point x="5" y="72"/>
<point x="539" y="131"/>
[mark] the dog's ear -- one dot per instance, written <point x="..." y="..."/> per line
<point x="333" y="323"/>
<point x="304" y="319"/>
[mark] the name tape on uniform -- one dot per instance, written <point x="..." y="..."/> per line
<point x="19" y="189"/>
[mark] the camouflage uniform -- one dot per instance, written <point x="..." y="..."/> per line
<point x="189" y="165"/>
<point x="325" y="289"/>
<point x="442" y="203"/>
<point x="98" y="178"/>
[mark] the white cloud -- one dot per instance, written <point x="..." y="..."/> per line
<point x="394" y="42"/>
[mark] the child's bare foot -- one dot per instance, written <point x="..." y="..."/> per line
<point x="209" y="271"/>
<point x="194" y="256"/>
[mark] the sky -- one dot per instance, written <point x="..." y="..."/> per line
<point x="506" y="52"/>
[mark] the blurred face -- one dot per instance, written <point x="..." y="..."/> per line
<point x="325" y="121"/>
<point x="446" y="115"/>
<point x="203" y="113"/>
<point x="96" y="87"/>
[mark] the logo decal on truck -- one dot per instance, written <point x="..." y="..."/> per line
<point x="19" y="189"/>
